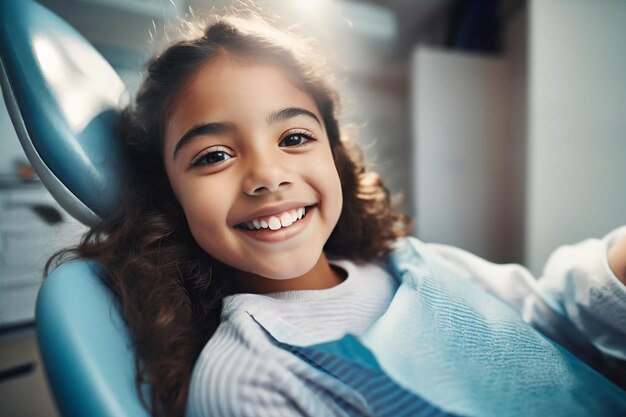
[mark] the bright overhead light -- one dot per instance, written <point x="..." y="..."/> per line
<point x="309" y="6"/>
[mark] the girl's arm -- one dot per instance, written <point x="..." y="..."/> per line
<point x="579" y="301"/>
<point x="617" y="259"/>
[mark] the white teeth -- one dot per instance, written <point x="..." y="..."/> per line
<point x="286" y="219"/>
<point x="274" y="223"/>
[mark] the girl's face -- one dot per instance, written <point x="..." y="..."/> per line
<point x="244" y="148"/>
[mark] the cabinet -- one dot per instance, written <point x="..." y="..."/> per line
<point x="24" y="391"/>
<point x="518" y="154"/>
<point x="32" y="227"/>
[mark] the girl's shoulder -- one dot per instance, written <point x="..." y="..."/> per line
<point x="237" y="334"/>
<point x="236" y="358"/>
<point x="241" y="372"/>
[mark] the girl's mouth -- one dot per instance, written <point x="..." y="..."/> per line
<point x="275" y="222"/>
<point x="278" y="227"/>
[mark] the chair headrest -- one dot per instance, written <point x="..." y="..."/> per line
<point x="64" y="99"/>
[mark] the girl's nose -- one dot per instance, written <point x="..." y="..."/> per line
<point x="265" y="176"/>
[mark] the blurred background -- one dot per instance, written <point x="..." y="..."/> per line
<point x="498" y="125"/>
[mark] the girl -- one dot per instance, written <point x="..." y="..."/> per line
<point x="262" y="271"/>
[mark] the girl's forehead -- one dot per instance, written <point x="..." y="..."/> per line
<point x="234" y="91"/>
<point x="231" y="72"/>
<point x="235" y="88"/>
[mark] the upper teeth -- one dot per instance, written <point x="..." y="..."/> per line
<point x="275" y="222"/>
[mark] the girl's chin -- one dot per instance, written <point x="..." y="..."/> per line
<point x="284" y="275"/>
<point x="281" y="271"/>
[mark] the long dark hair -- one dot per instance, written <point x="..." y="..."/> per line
<point x="169" y="289"/>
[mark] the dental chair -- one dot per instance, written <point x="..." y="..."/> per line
<point x="64" y="100"/>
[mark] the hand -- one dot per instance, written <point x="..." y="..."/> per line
<point x="617" y="260"/>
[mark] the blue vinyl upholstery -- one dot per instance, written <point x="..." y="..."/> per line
<point x="85" y="345"/>
<point x="63" y="99"/>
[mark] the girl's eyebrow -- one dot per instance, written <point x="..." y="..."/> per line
<point x="200" y="130"/>
<point x="222" y="127"/>
<point x="291" y="112"/>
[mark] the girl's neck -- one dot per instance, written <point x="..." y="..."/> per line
<point x="321" y="276"/>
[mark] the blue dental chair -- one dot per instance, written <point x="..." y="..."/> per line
<point x="64" y="100"/>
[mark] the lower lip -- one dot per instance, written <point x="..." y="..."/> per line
<point x="284" y="233"/>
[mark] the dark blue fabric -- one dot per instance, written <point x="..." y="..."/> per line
<point x="349" y="361"/>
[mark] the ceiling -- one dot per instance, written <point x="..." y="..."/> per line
<point x="121" y="27"/>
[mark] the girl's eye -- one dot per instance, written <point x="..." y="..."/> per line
<point x="295" y="140"/>
<point x="211" y="158"/>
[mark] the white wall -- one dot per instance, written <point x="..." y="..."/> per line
<point x="576" y="169"/>
<point x="461" y="115"/>
<point x="469" y="134"/>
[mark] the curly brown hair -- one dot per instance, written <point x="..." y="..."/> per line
<point x="170" y="291"/>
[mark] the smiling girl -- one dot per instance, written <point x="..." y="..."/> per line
<point x="262" y="271"/>
<point x="249" y="160"/>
